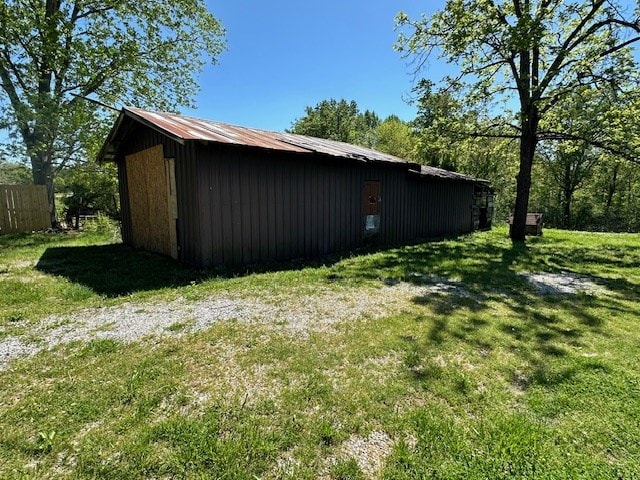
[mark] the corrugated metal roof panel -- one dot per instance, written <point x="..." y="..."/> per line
<point x="446" y="174"/>
<point x="339" y="149"/>
<point x="187" y="128"/>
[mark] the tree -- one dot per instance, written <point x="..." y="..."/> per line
<point x="395" y="137"/>
<point x="569" y="166"/>
<point x="338" y="120"/>
<point x="89" y="188"/>
<point x="443" y="129"/>
<point x="534" y="53"/>
<point x="13" y="173"/>
<point x="57" y="54"/>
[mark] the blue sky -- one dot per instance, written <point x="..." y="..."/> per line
<point x="284" y="55"/>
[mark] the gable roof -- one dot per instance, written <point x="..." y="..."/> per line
<point x="183" y="129"/>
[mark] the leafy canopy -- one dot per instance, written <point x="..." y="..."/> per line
<point x="338" y="120"/>
<point x="55" y="52"/>
<point x="529" y="55"/>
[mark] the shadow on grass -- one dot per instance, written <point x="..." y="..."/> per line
<point x="473" y="276"/>
<point x="115" y="270"/>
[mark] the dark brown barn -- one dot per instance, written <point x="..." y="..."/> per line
<point x="208" y="193"/>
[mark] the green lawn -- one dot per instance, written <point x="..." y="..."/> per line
<point x="473" y="373"/>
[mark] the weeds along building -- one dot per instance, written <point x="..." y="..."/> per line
<point x="208" y="193"/>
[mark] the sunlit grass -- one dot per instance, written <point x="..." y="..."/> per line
<point x="492" y="380"/>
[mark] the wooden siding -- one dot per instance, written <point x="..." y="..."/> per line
<point x="188" y="223"/>
<point x="23" y="208"/>
<point x="149" y="176"/>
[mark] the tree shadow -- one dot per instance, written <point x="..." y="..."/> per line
<point x="542" y="328"/>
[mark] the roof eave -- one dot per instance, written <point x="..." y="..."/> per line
<point x="110" y="147"/>
<point x="153" y="126"/>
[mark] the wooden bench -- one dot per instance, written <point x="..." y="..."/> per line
<point x="533" y="226"/>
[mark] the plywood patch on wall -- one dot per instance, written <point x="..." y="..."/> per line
<point x="152" y="201"/>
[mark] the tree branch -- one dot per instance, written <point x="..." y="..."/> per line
<point x="617" y="150"/>
<point x="16" y="103"/>
<point x="566" y="47"/>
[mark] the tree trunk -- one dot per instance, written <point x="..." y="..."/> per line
<point x="566" y="206"/>
<point x="43" y="175"/>
<point x="528" y="142"/>
<point x="567" y="195"/>
<point x="613" y="186"/>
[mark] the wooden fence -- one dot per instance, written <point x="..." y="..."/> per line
<point x="23" y="208"/>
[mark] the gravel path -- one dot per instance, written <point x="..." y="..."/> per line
<point x="563" y="283"/>
<point x="299" y="315"/>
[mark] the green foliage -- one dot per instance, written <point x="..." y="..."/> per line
<point x="347" y="470"/>
<point x="338" y="120"/>
<point x="46" y="441"/>
<point x="607" y="197"/>
<point x="583" y="184"/>
<point x="445" y="139"/>
<point x="537" y="55"/>
<point x="14" y="173"/>
<point x="90" y="188"/>
<point x="395" y="137"/>
<point x="58" y="57"/>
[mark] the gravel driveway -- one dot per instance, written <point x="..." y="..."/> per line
<point x="298" y="314"/>
<point x="129" y="322"/>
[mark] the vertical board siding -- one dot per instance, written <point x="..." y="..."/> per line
<point x="149" y="200"/>
<point x="23" y="208"/>
<point x="238" y="205"/>
<point x="270" y="206"/>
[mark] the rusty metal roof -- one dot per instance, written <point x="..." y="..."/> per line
<point x="188" y="128"/>
<point x="182" y="128"/>
<point x="427" y="171"/>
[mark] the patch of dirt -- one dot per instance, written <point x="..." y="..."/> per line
<point x="563" y="283"/>
<point x="369" y="453"/>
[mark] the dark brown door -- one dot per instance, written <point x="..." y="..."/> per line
<point x="371" y="197"/>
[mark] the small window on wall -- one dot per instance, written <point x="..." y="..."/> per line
<point x="371" y="200"/>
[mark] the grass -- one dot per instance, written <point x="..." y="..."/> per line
<point x="487" y="380"/>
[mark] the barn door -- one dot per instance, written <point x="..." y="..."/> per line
<point x="152" y="201"/>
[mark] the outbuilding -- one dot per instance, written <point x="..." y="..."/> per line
<point x="208" y="193"/>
